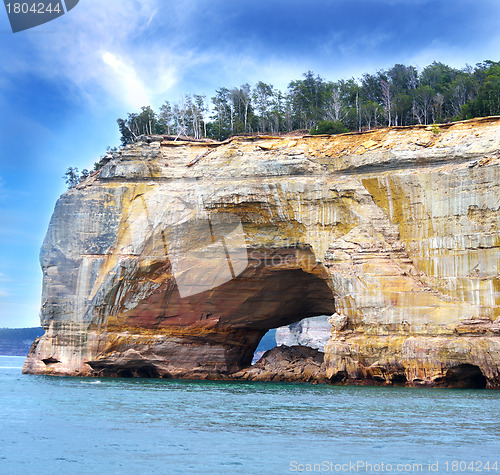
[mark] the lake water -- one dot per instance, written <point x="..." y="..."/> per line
<point x="53" y="425"/>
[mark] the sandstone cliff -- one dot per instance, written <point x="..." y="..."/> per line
<point x="176" y="257"/>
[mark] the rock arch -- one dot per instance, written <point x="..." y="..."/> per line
<point x="214" y="332"/>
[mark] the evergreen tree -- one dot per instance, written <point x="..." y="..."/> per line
<point x="263" y="97"/>
<point x="308" y="98"/>
<point x="72" y="177"/>
<point x="221" y="127"/>
<point x="165" y="118"/>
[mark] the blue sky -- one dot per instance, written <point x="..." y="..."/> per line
<point x="64" y="83"/>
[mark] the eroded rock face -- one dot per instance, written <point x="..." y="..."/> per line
<point x="313" y="332"/>
<point x="176" y="257"/>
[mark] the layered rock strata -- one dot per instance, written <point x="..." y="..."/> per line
<point x="176" y="257"/>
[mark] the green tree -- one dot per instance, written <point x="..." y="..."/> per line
<point x="371" y="114"/>
<point x="308" y="97"/>
<point x="461" y="90"/>
<point x="423" y="99"/>
<point x="438" y="76"/>
<point x="241" y="106"/>
<point x="371" y="88"/>
<point x="165" y="117"/>
<point x="487" y="100"/>
<point x="126" y="129"/>
<point x="263" y="95"/>
<point x="84" y="174"/>
<point x="329" y="127"/>
<point x="350" y="90"/>
<point x="277" y="112"/>
<point x="72" y="177"/>
<point x="220" y="129"/>
<point x="403" y="80"/>
<point x="144" y="123"/>
<point x="147" y="122"/>
<point x="396" y="96"/>
<point x="336" y="101"/>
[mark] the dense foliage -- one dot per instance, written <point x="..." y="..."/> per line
<point x="400" y="95"/>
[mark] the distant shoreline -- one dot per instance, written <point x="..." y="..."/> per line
<point x="18" y="341"/>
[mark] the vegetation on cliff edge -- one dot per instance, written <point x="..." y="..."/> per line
<point x="400" y="95"/>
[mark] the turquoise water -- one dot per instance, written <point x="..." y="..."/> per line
<point x="78" y="425"/>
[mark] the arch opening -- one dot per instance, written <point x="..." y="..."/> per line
<point x="312" y="332"/>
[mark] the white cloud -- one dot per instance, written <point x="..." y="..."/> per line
<point x="97" y="50"/>
<point x="115" y="52"/>
<point x="130" y="53"/>
<point x="125" y="77"/>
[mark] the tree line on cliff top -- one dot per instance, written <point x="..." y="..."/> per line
<point x="400" y="95"/>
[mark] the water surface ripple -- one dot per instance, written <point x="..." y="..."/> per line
<point x="84" y="425"/>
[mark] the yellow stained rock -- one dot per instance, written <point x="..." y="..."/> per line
<point x="401" y="241"/>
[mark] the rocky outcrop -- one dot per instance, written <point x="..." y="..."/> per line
<point x="176" y="257"/>
<point x="313" y="332"/>
<point x="298" y="364"/>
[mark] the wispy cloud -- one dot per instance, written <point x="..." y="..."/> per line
<point x="454" y="55"/>
<point x="96" y="50"/>
<point x="131" y="53"/>
<point x="126" y="78"/>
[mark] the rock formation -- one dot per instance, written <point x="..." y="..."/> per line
<point x="176" y="257"/>
<point x="313" y="332"/>
<point x="298" y="364"/>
